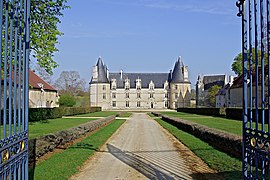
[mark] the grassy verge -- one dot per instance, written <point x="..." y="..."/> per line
<point x="98" y="114"/>
<point x="65" y="164"/>
<point x="228" y="167"/>
<point x="53" y="125"/>
<point x="125" y="114"/>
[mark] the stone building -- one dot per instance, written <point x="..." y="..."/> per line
<point x="204" y="83"/>
<point x="123" y="90"/>
<point x="41" y="94"/>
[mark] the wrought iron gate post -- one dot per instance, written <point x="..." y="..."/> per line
<point x="14" y="56"/>
<point x="256" y="85"/>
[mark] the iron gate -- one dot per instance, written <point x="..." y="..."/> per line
<point x="256" y="87"/>
<point x="14" y="54"/>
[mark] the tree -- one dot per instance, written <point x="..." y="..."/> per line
<point x="237" y="66"/>
<point x="44" y="33"/>
<point x="70" y="82"/>
<point x="211" y="96"/>
<point x="67" y="100"/>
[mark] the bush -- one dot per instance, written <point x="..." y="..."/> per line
<point x="67" y="100"/>
<point x="203" y="111"/>
<point x="39" y="114"/>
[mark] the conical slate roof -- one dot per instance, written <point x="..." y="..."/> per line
<point x="102" y="77"/>
<point x="177" y="75"/>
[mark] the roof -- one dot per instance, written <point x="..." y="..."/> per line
<point x="212" y="80"/>
<point x="158" y="79"/>
<point x="223" y="90"/>
<point x="177" y="74"/>
<point x="238" y="82"/>
<point x="35" y="81"/>
<point x="102" y="77"/>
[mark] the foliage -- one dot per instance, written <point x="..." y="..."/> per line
<point x="39" y="114"/>
<point x="70" y="82"/>
<point x="211" y="95"/>
<point x="237" y="66"/>
<point x="67" y="100"/>
<point x="228" y="167"/>
<point x="45" y="16"/>
<point x="65" y="164"/>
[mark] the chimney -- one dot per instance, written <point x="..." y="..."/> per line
<point x="121" y="74"/>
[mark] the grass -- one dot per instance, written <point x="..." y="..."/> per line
<point x="98" y="114"/>
<point x="228" y="125"/>
<point x="65" y="164"/>
<point x="37" y="129"/>
<point x="126" y="114"/>
<point x="227" y="166"/>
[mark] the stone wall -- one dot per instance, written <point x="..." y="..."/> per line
<point x="42" y="145"/>
<point x="226" y="142"/>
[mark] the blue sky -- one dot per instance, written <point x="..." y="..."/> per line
<point x="149" y="35"/>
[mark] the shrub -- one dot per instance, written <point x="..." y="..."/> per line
<point x="67" y="100"/>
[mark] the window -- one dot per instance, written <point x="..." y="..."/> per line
<point x="138" y="104"/>
<point x="113" y="87"/>
<point x="127" y="95"/>
<point x="127" y="103"/>
<point x="114" y="103"/>
<point x="175" y="87"/>
<point x="138" y="95"/>
<point x="166" y="95"/>
<point x="127" y="87"/>
<point x="104" y="95"/>
<point x="104" y="87"/>
<point x="138" y="87"/>
<point x="176" y="95"/>
<point x="151" y="95"/>
<point x="166" y="103"/>
<point x="113" y="95"/>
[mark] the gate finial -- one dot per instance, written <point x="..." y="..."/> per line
<point x="239" y="4"/>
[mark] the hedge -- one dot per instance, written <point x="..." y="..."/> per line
<point x="203" y="111"/>
<point x="38" y="114"/>
<point x="237" y="114"/>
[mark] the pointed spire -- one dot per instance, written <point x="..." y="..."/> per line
<point x="177" y="75"/>
<point x="102" y="74"/>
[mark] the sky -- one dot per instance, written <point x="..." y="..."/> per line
<point x="149" y="36"/>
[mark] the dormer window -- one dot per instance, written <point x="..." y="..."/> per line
<point x="113" y="84"/>
<point x="127" y="84"/>
<point x="138" y="84"/>
<point x="151" y="85"/>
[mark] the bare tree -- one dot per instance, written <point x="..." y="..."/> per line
<point x="70" y="82"/>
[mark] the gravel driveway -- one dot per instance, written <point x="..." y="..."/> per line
<point x="142" y="149"/>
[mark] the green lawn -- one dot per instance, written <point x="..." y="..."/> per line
<point x="98" y="114"/>
<point x="227" y="166"/>
<point x="65" y="164"/>
<point x="37" y="129"/>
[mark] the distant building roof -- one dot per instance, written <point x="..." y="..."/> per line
<point x="211" y="80"/>
<point x="157" y="78"/>
<point x="36" y="82"/>
<point x="238" y="82"/>
<point x="223" y="90"/>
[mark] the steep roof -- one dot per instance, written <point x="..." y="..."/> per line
<point x="102" y="77"/>
<point x="212" y="80"/>
<point x="35" y="81"/>
<point x="177" y="74"/>
<point x="157" y="78"/>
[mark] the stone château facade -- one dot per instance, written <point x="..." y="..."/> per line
<point x="140" y="90"/>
